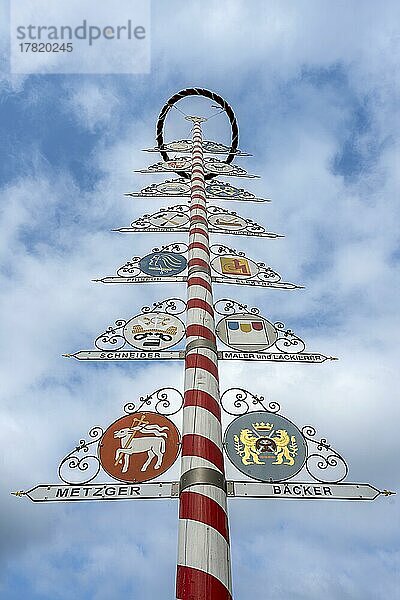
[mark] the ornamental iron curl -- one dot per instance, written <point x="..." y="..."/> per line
<point x="242" y="400"/>
<point x="178" y="247"/>
<point x="219" y="249"/>
<point x="183" y="208"/>
<point x="142" y="223"/>
<point x="227" y="307"/>
<point x="131" y="268"/>
<point x="83" y="463"/>
<point x="113" y="337"/>
<point x="317" y="463"/>
<point x="268" y="274"/>
<point x="166" y="401"/>
<point x="171" y="306"/>
<point x="287" y="341"/>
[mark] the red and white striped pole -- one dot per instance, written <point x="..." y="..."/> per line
<point x="204" y="568"/>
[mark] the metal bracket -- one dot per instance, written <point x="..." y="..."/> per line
<point x="230" y="488"/>
<point x="202" y="475"/>
<point x="210" y="345"/>
<point x="175" y="489"/>
<point x="197" y="268"/>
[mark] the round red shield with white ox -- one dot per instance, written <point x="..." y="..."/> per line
<point x="139" y="447"/>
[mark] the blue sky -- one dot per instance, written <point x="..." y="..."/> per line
<point x="314" y="86"/>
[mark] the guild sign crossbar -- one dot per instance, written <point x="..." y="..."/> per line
<point x="235" y="489"/>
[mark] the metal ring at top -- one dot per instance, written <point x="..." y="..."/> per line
<point x="207" y="94"/>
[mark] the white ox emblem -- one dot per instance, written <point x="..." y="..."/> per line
<point x="153" y="444"/>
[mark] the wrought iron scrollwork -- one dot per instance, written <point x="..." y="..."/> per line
<point x="242" y="401"/>
<point x="80" y="463"/>
<point x="184" y="208"/>
<point x="266" y="273"/>
<point x="288" y="342"/>
<point x="179" y="247"/>
<point x="131" y="268"/>
<point x="171" y="306"/>
<point x="166" y="401"/>
<point x="142" y="223"/>
<point x="319" y="463"/>
<point x="112" y="338"/>
<point x="220" y="249"/>
<point x="227" y="307"/>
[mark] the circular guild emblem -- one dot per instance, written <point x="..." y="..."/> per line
<point x="163" y="264"/>
<point x="154" y="331"/>
<point x="226" y="221"/>
<point x="216" y="166"/>
<point x="222" y="188"/>
<point x="246" y="332"/>
<point x="177" y="164"/>
<point x="234" y="266"/>
<point x="179" y="146"/>
<point x="139" y="447"/>
<point x="170" y="188"/>
<point x="265" y="446"/>
<point x="169" y="218"/>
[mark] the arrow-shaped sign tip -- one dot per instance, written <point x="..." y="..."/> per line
<point x="388" y="493"/>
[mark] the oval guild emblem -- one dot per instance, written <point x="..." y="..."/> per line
<point x="265" y="446"/>
<point x="139" y="447"/>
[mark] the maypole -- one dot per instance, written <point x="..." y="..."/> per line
<point x="204" y="570"/>
<point x="142" y="444"/>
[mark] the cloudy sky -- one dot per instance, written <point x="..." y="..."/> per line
<point x="314" y="85"/>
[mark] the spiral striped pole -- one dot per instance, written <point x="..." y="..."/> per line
<point x="204" y="570"/>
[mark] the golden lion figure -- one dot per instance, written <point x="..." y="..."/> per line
<point x="282" y="451"/>
<point x="249" y="450"/>
<point x="286" y="448"/>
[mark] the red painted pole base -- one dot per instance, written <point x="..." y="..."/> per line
<point x="192" y="584"/>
